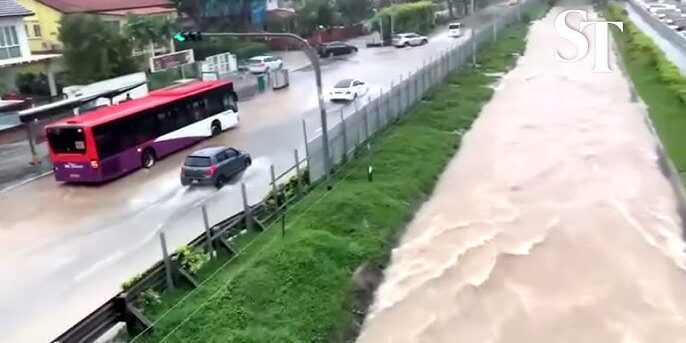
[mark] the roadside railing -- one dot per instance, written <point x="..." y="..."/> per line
<point x="353" y="131"/>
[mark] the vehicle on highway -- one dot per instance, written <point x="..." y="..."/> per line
<point x="115" y="140"/>
<point x="213" y="166"/>
<point x="409" y="39"/>
<point x="455" y="29"/>
<point x="336" y="49"/>
<point x="656" y="8"/>
<point x="263" y="64"/>
<point x="348" y="90"/>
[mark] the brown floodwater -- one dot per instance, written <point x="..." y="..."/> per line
<point x="553" y="223"/>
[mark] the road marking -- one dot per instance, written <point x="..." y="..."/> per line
<point x="99" y="265"/>
<point x="21" y="183"/>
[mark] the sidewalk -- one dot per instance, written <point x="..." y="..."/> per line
<point x="16" y="168"/>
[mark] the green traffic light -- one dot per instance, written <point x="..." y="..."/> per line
<point x="179" y="36"/>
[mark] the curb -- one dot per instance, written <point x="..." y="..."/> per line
<point x="25" y="181"/>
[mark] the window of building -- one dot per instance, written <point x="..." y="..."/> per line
<point x="9" y="42"/>
<point x="36" y="31"/>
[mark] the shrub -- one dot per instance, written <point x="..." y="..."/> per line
<point x="192" y="259"/>
<point x="644" y="51"/>
<point x="149" y="298"/>
<point x="131" y="281"/>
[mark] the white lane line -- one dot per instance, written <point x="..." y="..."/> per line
<point x="99" y="265"/>
<point x="23" y="182"/>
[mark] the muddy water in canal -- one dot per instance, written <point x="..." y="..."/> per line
<point x="553" y="223"/>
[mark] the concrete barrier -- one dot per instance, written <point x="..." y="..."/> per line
<point x="665" y="31"/>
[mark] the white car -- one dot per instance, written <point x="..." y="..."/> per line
<point x="409" y="39"/>
<point x="455" y="29"/>
<point x="263" y="64"/>
<point x="348" y="90"/>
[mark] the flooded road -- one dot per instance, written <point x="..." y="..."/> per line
<point x="552" y="224"/>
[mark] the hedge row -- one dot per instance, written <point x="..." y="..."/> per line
<point x="642" y="49"/>
<point x="658" y="82"/>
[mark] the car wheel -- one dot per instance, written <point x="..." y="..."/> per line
<point x="330" y="54"/>
<point x="148" y="158"/>
<point x="216" y="128"/>
<point x="406" y="44"/>
<point x="221" y="181"/>
<point x="248" y="162"/>
<point x="354" y="49"/>
<point x="425" y="41"/>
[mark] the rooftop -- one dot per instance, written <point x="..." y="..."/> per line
<point x="10" y="8"/>
<point x="75" y="6"/>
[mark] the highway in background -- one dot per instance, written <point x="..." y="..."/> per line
<point x="65" y="249"/>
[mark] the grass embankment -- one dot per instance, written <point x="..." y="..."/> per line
<point x="658" y="82"/>
<point x="297" y="288"/>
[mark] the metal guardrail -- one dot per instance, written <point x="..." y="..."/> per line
<point x="122" y="307"/>
<point x="665" y="31"/>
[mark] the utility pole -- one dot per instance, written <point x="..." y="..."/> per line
<point x="312" y="56"/>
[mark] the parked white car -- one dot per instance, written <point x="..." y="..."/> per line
<point x="263" y="64"/>
<point x="409" y="39"/>
<point x="348" y="90"/>
<point x="455" y="29"/>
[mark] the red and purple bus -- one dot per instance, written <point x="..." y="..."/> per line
<point x="111" y="141"/>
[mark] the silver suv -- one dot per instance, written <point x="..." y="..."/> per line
<point x="214" y="166"/>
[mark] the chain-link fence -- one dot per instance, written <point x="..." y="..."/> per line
<point x="352" y="130"/>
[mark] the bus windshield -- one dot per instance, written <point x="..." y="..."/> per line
<point x="67" y="140"/>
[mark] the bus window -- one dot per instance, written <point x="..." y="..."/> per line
<point x="69" y="140"/>
<point x="229" y="102"/>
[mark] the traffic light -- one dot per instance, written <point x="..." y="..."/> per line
<point x="192" y="36"/>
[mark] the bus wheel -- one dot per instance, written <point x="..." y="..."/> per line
<point x="216" y="128"/>
<point x="148" y="158"/>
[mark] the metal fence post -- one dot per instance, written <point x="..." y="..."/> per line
<point x="407" y="90"/>
<point x="246" y="208"/>
<point x="474" y="51"/>
<point x="390" y="100"/>
<point x="380" y="102"/>
<point x="307" y="152"/>
<point x="366" y="121"/>
<point x="345" y="138"/>
<point x="297" y="171"/>
<point x="208" y="234"/>
<point x="400" y="95"/>
<point x="167" y="261"/>
<point x="495" y="31"/>
<point x="273" y="176"/>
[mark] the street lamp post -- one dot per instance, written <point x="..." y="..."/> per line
<point x="312" y="56"/>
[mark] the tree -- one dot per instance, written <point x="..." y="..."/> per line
<point x="146" y="31"/>
<point x="354" y="11"/>
<point x="93" y="50"/>
<point x="315" y="13"/>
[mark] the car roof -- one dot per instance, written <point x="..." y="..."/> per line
<point x="207" y="152"/>
<point x="261" y="57"/>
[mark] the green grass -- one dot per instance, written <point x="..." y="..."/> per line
<point x="297" y="288"/>
<point x="643" y="61"/>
